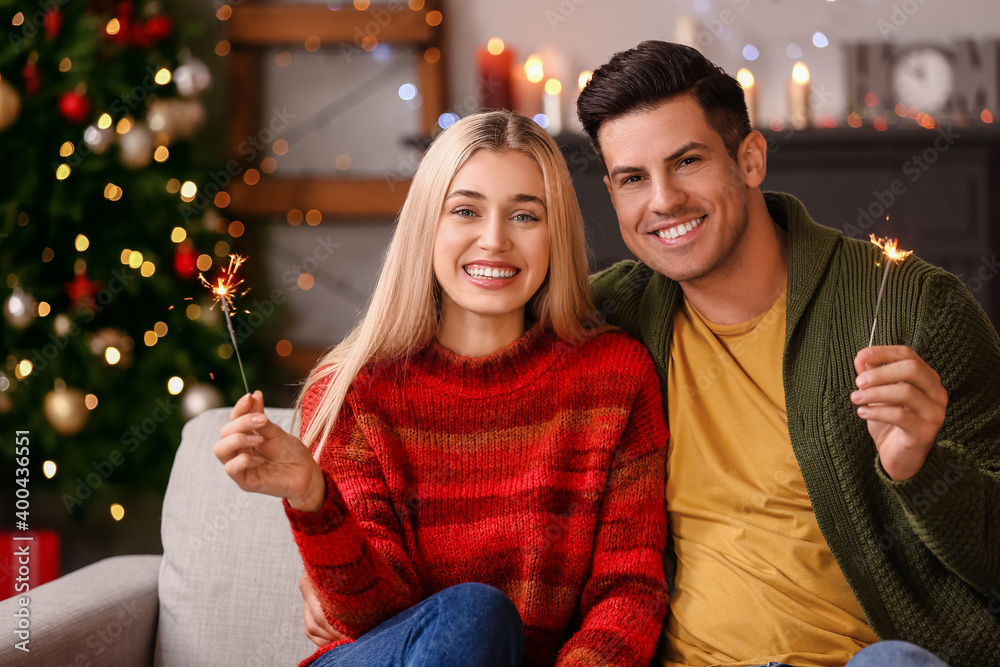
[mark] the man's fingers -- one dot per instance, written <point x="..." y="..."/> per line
<point x="909" y="369"/>
<point x="900" y="394"/>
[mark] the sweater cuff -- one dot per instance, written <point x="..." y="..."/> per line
<point x="327" y="518"/>
<point x="943" y="473"/>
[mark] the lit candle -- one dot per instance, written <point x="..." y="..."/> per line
<point x="552" y="106"/>
<point x="745" y="77"/>
<point x="494" y="64"/>
<point x="798" y="97"/>
<point x="573" y="123"/>
<point x="686" y="31"/>
<point x="528" y="87"/>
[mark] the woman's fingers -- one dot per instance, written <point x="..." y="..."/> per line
<point x="242" y="407"/>
<point x="228" y="446"/>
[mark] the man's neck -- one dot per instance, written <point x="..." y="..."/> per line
<point x="752" y="280"/>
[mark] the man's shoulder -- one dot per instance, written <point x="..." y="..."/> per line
<point x="914" y="270"/>
<point x="628" y="277"/>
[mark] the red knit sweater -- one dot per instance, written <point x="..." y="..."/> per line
<point x="538" y="469"/>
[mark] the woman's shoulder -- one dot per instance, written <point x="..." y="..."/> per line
<point x="615" y="348"/>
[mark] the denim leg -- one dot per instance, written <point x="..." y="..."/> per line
<point x="468" y="625"/>
<point x="895" y="653"/>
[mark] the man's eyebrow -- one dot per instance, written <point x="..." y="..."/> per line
<point x="689" y="146"/>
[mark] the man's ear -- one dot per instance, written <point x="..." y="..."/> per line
<point x="752" y="158"/>
<point x="611" y="193"/>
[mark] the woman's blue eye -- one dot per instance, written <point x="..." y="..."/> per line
<point x="525" y="217"/>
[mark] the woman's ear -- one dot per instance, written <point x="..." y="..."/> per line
<point x="752" y="158"/>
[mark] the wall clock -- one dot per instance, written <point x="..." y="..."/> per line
<point x="923" y="77"/>
<point x="953" y="81"/>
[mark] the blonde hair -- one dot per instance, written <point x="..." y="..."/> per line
<point x="403" y="313"/>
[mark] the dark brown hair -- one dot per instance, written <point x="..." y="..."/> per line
<point x="655" y="72"/>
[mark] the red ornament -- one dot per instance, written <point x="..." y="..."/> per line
<point x="81" y="291"/>
<point x="32" y="82"/>
<point x="53" y="23"/>
<point x="157" y="29"/>
<point x="186" y="260"/>
<point x="74" y="107"/>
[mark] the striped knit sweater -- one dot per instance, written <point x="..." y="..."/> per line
<point x="538" y="469"/>
<point x="922" y="555"/>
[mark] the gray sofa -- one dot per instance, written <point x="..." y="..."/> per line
<point x="225" y="591"/>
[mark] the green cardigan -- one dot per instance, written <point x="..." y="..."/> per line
<point x="922" y="556"/>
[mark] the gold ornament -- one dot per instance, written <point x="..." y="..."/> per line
<point x="178" y="119"/>
<point x="62" y="325"/>
<point x="10" y="105"/>
<point x="192" y="78"/>
<point x="19" y="308"/>
<point x="136" y="147"/>
<point x="66" y="409"/>
<point x="97" y="139"/>
<point x="5" y="402"/>
<point x="198" y="398"/>
<point x="116" y="338"/>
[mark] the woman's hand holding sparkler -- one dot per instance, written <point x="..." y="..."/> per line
<point x="902" y="400"/>
<point x="262" y="457"/>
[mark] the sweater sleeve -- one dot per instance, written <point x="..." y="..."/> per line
<point x="352" y="547"/>
<point x="953" y="502"/>
<point x="624" y="600"/>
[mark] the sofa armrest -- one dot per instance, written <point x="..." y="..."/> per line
<point x="103" y="614"/>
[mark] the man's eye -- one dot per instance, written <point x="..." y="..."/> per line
<point x="634" y="178"/>
<point x="688" y="161"/>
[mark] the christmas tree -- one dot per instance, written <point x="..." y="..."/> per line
<point x="109" y="342"/>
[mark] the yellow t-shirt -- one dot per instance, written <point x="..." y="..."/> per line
<point x="756" y="581"/>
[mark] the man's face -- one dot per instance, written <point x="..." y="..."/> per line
<point x="681" y="200"/>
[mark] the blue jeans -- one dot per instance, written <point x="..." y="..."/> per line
<point x="890" y="653"/>
<point x="468" y="625"/>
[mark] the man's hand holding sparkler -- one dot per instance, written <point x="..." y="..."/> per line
<point x="261" y="457"/>
<point x="902" y="400"/>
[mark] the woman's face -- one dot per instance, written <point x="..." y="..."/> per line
<point x="491" y="251"/>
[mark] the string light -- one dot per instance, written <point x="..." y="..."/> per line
<point x="49" y="469"/>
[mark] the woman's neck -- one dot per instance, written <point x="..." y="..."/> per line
<point x="472" y="335"/>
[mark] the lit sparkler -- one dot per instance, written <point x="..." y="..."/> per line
<point x="891" y="253"/>
<point x="223" y="292"/>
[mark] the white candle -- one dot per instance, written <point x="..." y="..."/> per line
<point x="745" y="77"/>
<point x="798" y="97"/>
<point x="529" y="87"/>
<point x="552" y="106"/>
<point x="686" y="31"/>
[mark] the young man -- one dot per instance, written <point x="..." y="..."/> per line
<point x="823" y="495"/>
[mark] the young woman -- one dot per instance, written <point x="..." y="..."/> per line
<point x="487" y="467"/>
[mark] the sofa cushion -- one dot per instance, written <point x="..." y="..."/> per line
<point x="229" y="577"/>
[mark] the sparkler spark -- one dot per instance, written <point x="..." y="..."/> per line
<point x="891" y="253"/>
<point x="223" y="292"/>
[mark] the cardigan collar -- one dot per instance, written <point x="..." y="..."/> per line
<point x="810" y="248"/>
